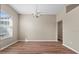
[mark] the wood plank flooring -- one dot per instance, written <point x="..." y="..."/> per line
<point x="37" y="48"/>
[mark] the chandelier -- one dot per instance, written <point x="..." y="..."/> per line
<point x="36" y="13"/>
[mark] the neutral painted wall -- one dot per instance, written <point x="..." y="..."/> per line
<point x="60" y="15"/>
<point x="71" y="29"/>
<point x="40" y="29"/>
<point x="14" y="15"/>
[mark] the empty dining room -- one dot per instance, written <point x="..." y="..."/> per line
<point x="39" y="28"/>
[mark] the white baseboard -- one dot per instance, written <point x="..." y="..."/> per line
<point x="71" y="48"/>
<point x="39" y="40"/>
<point x="8" y="45"/>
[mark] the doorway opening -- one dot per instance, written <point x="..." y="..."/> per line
<point x="60" y="32"/>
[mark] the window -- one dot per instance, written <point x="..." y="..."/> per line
<point x="5" y="25"/>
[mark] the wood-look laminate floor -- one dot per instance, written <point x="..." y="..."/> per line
<point x="37" y="48"/>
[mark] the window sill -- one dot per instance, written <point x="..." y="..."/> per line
<point x="5" y="37"/>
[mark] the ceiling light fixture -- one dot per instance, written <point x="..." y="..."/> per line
<point x="36" y="13"/>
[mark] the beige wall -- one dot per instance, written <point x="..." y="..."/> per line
<point x="14" y="15"/>
<point x="40" y="29"/>
<point x="60" y="15"/>
<point x="70" y="28"/>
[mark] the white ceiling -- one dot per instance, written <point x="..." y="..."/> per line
<point x="42" y="8"/>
